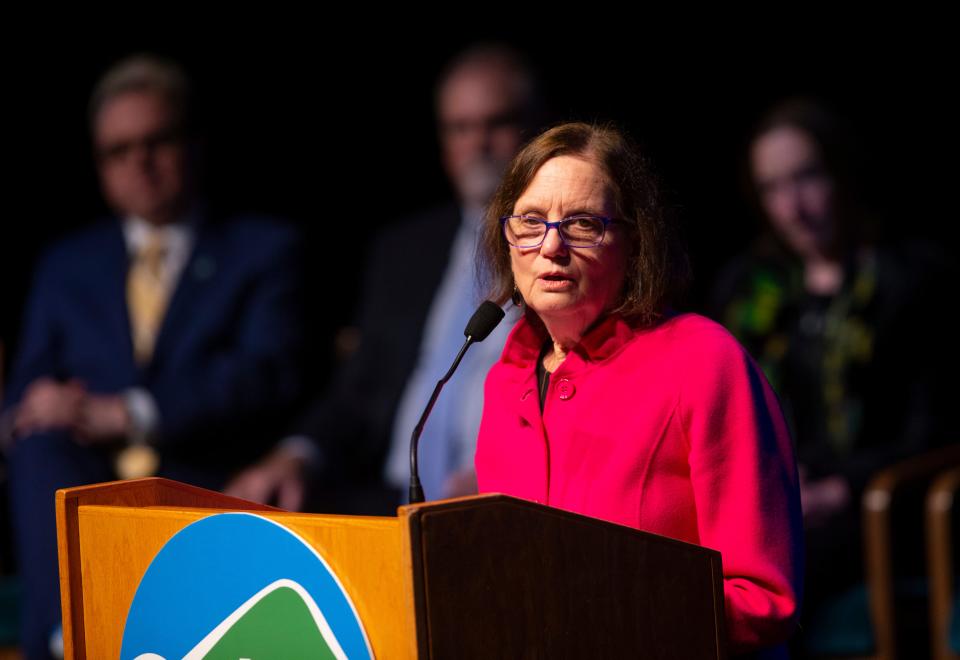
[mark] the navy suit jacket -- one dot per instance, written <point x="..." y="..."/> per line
<point x="225" y="366"/>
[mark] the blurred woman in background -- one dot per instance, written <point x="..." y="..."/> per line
<point x="835" y="320"/>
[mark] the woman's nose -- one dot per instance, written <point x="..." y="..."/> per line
<point x="553" y="243"/>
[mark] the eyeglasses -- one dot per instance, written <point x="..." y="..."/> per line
<point x="577" y="231"/>
<point x="119" y="151"/>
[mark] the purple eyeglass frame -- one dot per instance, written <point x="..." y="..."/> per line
<point x="550" y="225"/>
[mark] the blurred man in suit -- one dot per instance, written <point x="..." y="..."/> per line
<point x="161" y="341"/>
<point x="418" y="294"/>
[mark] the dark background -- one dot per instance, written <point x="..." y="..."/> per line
<point x="332" y="126"/>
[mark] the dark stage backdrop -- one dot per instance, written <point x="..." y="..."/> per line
<point x="333" y="126"/>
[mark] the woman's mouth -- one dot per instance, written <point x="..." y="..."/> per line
<point x="556" y="282"/>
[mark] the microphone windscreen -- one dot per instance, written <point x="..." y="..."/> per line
<point x="483" y="321"/>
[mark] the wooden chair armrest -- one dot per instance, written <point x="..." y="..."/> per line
<point x="940" y="507"/>
<point x="877" y="535"/>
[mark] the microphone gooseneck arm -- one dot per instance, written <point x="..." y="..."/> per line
<point x="416" y="489"/>
<point x="481" y="324"/>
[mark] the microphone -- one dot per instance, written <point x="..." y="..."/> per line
<point x="484" y="320"/>
<point x="479" y="327"/>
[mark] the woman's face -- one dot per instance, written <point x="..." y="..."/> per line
<point x="796" y="191"/>
<point x="561" y="283"/>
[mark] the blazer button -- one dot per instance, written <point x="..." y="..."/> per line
<point x="565" y="389"/>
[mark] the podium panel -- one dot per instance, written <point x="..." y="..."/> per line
<point x="507" y="578"/>
<point x="489" y="576"/>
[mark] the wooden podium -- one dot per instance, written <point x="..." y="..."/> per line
<point x="488" y="576"/>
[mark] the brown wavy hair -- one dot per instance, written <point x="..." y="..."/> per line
<point x="658" y="269"/>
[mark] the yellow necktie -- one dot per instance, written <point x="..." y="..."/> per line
<point x="147" y="294"/>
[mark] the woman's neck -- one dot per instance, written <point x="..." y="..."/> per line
<point x="822" y="276"/>
<point x="565" y="333"/>
<point x="555" y="357"/>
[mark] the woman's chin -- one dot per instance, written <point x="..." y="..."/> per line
<point x="555" y="302"/>
<point x="554" y="308"/>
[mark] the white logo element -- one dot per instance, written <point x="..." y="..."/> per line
<point x="214" y="636"/>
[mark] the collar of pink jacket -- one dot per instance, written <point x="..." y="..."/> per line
<point x="602" y="341"/>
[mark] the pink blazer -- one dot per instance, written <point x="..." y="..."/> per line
<point x="672" y="430"/>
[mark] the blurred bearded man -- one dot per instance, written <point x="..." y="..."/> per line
<point x="419" y="293"/>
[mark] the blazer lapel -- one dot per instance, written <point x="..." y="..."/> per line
<point x="112" y="269"/>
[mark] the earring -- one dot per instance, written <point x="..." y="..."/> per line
<point x="516" y="297"/>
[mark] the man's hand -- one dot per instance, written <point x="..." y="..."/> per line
<point x="48" y="405"/>
<point x="821" y="499"/>
<point x="460" y="483"/>
<point x="102" y="418"/>
<point x="278" y="478"/>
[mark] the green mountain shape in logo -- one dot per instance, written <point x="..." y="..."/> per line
<point x="280" y="622"/>
<point x="279" y="626"/>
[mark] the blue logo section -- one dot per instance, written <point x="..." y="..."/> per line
<point x="220" y="569"/>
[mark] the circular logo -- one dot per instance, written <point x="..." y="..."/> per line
<point x="237" y="585"/>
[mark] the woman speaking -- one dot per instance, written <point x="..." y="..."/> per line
<point x="607" y="404"/>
